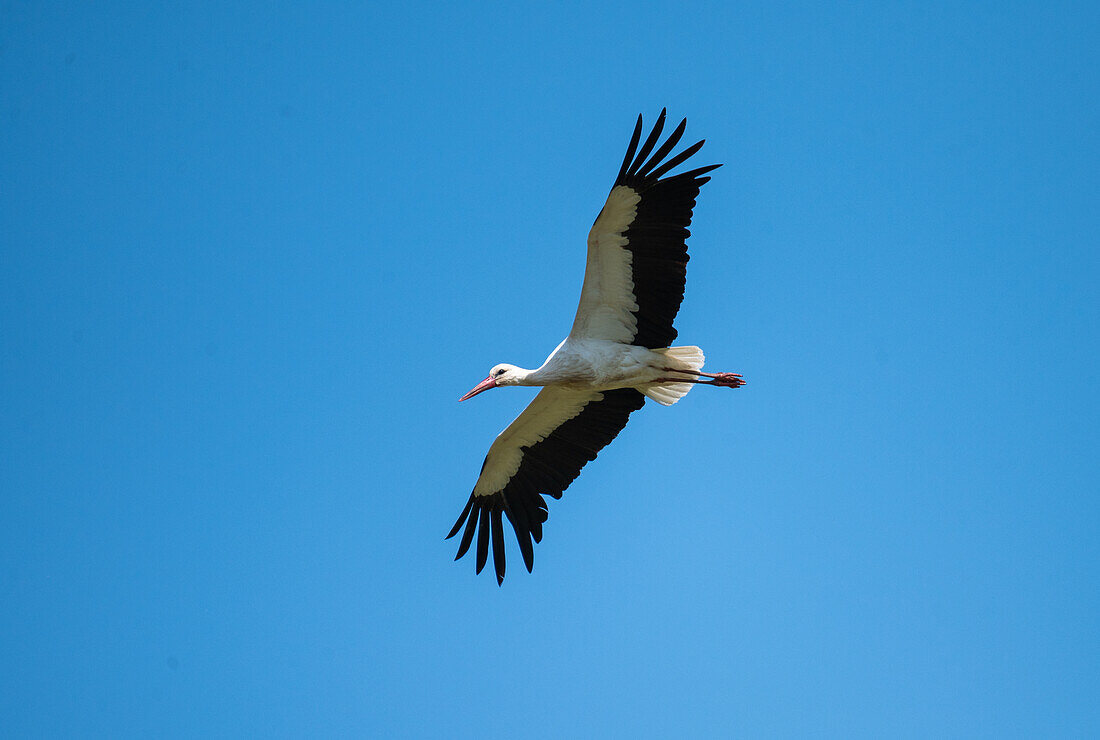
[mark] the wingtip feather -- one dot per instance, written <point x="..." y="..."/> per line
<point x="499" y="563"/>
<point x="468" y="534"/>
<point x="647" y="147"/>
<point x="482" y="539"/>
<point x="461" y="518"/>
<point x="662" y="152"/>
<point x="631" y="148"/>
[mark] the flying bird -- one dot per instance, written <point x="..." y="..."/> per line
<point x="617" y="354"/>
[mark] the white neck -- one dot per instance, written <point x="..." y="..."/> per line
<point x="526" y="377"/>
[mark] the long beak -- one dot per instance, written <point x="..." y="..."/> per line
<point x="482" y="386"/>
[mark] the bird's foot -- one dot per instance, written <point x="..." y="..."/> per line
<point x="727" y="380"/>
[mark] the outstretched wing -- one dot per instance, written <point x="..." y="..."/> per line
<point x="637" y="251"/>
<point x="540" y="453"/>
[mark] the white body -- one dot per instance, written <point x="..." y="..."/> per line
<point x="596" y="365"/>
<point x="600" y="365"/>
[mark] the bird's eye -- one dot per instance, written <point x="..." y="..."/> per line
<point x="500" y="372"/>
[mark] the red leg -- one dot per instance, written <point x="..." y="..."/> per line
<point x="722" y="380"/>
<point x="725" y="380"/>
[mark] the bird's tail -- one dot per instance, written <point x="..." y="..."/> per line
<point x="686" y="358"/>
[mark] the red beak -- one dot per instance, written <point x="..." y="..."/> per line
<point x="482" y="386"/>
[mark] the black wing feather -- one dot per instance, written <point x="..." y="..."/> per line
<point x="482" y="538"/>
<point x="468" y="534"/>
<point x="546" y="469"/>
<point x="498" y="546"/>
<point x="647" y="147"/>
<point x="631" y="148"/>
<point x="657" y="237"/>
<point x="673" y="140"/>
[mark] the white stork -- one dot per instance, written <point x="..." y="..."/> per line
<point x="616" y="354"/>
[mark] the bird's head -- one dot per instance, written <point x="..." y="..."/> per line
<point x="503" y="374"/>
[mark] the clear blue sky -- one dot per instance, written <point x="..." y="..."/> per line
<point x="252" y="256"/>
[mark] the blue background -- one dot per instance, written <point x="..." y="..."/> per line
<point x="251" y="256"/>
